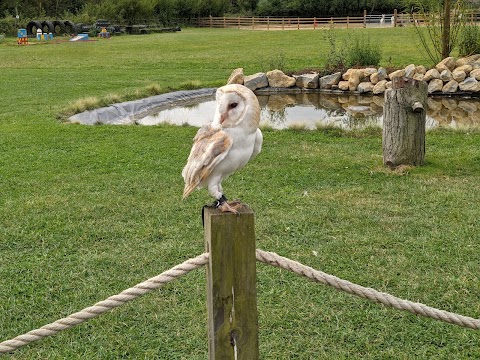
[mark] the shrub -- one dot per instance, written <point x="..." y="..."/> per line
<point x="363" y="53"/>
<point x="469" y="42"/>
<point x="8" y="26"/>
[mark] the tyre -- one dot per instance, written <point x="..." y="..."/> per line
<point x="69" y="27"/>
<point x="47" y="27"/>
<point x="58" y="27"/>
<point x="32" y="27"/>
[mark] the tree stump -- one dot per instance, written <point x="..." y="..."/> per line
<point x="404" y="116"/>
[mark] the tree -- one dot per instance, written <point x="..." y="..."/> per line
<point x="438" y="25"/>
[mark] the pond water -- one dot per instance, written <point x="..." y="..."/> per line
<point x="313" y="110"/>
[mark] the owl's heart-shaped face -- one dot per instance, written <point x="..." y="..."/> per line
<point x="231" y="108"/>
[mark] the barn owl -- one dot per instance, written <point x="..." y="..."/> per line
<point x="225" y="145"/>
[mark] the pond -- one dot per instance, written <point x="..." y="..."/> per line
<point x="313" y="110"/>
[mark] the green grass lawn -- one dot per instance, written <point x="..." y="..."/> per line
<point x="88" y="211"/>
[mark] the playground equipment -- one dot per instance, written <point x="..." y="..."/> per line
<point x="22" y="38"/>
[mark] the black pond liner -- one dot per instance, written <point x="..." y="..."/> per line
<point x="127" y="113"/>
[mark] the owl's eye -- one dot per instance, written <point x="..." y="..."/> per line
<point x="233" y="105"/>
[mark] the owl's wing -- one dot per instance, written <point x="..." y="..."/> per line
<point x="257" y="147"/>
<point x="210" y="146"/>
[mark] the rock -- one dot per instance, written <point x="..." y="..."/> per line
<point x="255" y="81"/>
<point x="276" y="78"/>
<point x="326" y="82"/>
<point x="447" y="63"/>
<point x="388" y="85"/>
<point x="354" y="79"/>
<point x="346" y="74"/>
<point x="343" y="85"/>
<point x="469" y="84"/>
<point x="307" y="81"/>
<point x="420" y="69"/>
<point x="450" y="87"/>
<point x="236" y="77"/>
<point x="374" y="78"/>
<point x="459" y="75"/>
<point x="431" y="74"/>
<point x="410" y="71"/>
<point x="476" y="64"/>
<point x="369" y="71"/>
<point x="435" y="85"/>
<point x="475" y="73"/>
<point x="379" y="87"/>
<point x="419" y="77"/>
<point x="446" y="75"/>
<point x="465" y="68"/>
<point x="398" y="73"/>
<point x="365" y="87"/>
<point x="469" y="60"/>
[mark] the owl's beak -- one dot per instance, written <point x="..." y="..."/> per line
<point x="223" y="117"/>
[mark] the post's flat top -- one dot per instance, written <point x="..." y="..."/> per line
<point x="243" y="209"/>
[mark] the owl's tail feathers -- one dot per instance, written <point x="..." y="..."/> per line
<point x="188" y="190"/>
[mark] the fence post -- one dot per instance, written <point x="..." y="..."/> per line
<point x="364" y="18"/>
<point x="231" y="285"/>
<point x="395" y="14"/>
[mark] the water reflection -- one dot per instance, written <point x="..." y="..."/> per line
<point x="312" y="110"/>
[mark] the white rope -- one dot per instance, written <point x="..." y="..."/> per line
<point x="366" y="293"/>
<point x="262" y="256"/>
<point x="105" y="305"/>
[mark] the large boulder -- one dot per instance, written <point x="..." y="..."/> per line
<point x="435" y="85"/>
<point x="276" y="78"/>
<point x="326" y="82"/>
<point x="395" y="74"/>
<point x="450" y="87"/>
<point x="431" y="74"/>
<point x="420" y="69"/>
<point x="369" y="71"/>
<point x="470" y="84"/>
<point x="354" y="79"/>
<point x="255" y="81"/>
<point x="343" y="85"/>
<point x="475" y="74"/>
<point x="469" y="60"/>
<point x="459" y="75"/>
<point x="447" y="63"/>
<point x="379" y="87"/>
<point x="236" y="77"/>
<point x="410" y="70"/>
<point x="307" y="81"/>
<point x="365" y="87"/>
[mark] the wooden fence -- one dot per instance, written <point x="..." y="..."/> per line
<point x="313" y="23"/>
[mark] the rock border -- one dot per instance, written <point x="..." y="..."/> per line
<point x="450" y="77"/>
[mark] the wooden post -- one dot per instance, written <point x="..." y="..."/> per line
<point x="231" y="285"/>
<point x="395" y="14"/>
<point x="404" y="117"/>
<point x="364" y="18"/>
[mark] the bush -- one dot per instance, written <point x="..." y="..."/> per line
<point x="355" y="51"/>
<point x="469" y="40"/>
<point x="8" y="26"/>
<point x="363" y="53"/>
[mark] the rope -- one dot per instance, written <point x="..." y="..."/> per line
<point x="262" y="256"/>
<point x="105" y="305"/>
<point x="366" y="293"/>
